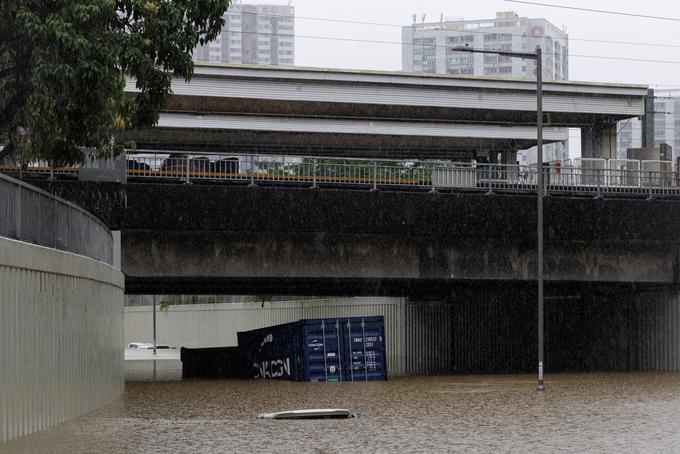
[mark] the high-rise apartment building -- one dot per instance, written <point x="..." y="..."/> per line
<point x="254" y="33"/>
<point x="427" y="47"/>
<point x="666" y="125"/>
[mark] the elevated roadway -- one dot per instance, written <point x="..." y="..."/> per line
<point x="242" y="108"/>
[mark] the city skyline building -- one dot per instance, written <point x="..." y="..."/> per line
<point x="427" y="47"/>
<point x="666" y="125"/>
<point x="253" y="33"/>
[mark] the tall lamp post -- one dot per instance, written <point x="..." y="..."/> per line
<point x="539" y="187"/>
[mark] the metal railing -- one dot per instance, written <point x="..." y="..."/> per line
<point x="599" y="177"/>
<point x="32" y="215"/>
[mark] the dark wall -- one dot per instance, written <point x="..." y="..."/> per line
<point x="587" y="329"/>
<point x="260" y="209"/>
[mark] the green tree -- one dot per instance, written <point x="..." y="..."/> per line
<point x="63" y="65"/>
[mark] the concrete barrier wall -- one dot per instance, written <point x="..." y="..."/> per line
<point x="61" y="336"/>
<point x="30" y="214"/>
<point x="216" y="325"/>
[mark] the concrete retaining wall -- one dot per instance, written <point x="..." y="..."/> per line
<point x="61" y="336"/>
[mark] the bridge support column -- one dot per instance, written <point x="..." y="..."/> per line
<point x="598" y="141"/>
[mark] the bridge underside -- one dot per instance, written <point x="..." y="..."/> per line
<point x="387" y="265"/>
<point x="324" y="144"/>
<point x="318" y="108"/>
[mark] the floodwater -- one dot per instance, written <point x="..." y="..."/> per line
<point x="578" y="413"/>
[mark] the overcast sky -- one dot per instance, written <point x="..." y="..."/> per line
<point x="579" y="25"/>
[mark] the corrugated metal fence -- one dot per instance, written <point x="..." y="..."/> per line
<point x="478" y="331"/>
<point x="32" y="215"/>
<point x="61" y="334"/>
<point x="212" y="325"/>
<point x="484" y="331"/>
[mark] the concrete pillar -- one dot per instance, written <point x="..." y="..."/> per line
<point x="591" y="141"/>
<point x="598" y="141"/>
<point x="648" y="121"/>
<point x="509" y="157"/>
<point x="609" y="150"/>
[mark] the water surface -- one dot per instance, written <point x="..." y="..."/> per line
<point x="577" y="413"/>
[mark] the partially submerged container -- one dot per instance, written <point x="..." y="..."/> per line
<point x="214" y="362"/>
<point x="328" y="349"/>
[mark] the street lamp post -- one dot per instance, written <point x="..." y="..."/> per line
<point x="537" y="56"/>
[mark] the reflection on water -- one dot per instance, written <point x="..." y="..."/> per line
<point x="595" y="413"/>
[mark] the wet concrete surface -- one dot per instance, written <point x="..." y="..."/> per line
<point x="634" y="412"/>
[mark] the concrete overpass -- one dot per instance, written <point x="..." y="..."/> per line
<point x="246" y="109"/>
<point x="234" y="239"/>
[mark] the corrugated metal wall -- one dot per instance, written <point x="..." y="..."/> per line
<point x="428" y="338"/>
<point x="586" y="330"/>
<point x="658" y="332"/>
<point x="212" y="325"/>
<point x="477" y="331"/>
<point x="61" y="333"/>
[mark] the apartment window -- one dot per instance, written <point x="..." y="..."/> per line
<point x="425" y="41"/>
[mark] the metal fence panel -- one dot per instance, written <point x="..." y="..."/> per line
<point x="32" y="215"/>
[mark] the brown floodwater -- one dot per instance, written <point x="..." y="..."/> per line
<point x="637" y="412"/>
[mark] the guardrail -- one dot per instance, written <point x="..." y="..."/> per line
<point x="591" y="176"/>
<point x="32" y="215"/>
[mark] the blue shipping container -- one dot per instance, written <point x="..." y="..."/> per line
<point x="328" y="349"/>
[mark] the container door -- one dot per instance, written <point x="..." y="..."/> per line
<point x="272" y="352"/>
<point x="323" y="351"/>
<point x="364" y="343"/>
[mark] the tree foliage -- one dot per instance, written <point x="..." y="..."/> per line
<point x="63" y="68"/>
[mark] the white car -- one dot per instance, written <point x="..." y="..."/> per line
<point x="135" y="345"/>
